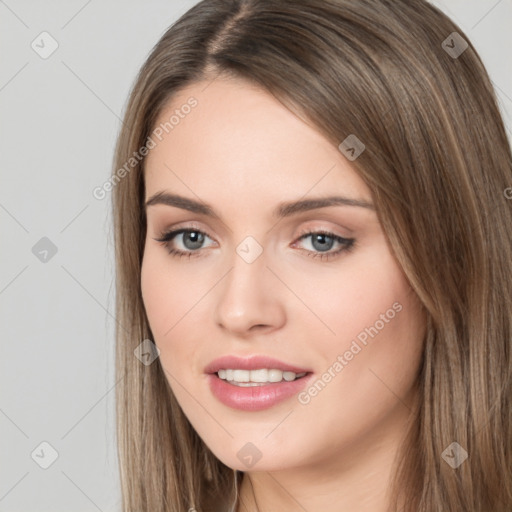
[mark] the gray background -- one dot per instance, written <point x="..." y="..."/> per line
<point x="59" y="120"/>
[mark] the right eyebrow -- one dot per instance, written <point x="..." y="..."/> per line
<point x="181" y="202"/>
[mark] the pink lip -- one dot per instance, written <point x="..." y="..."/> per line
<point x="254" y="398"/>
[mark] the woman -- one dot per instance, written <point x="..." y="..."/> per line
<point x="313" y="265"/>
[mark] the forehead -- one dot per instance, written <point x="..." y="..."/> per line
<point x="238" y="141"/>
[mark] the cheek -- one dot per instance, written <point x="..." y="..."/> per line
<point x="167" y="293"/>
<point x="377" y="350"/>
<point x="378" y="326"/>
<point x="173" y="304"/>
<point x="157" y="294"/>
<point x="366" y="298"/>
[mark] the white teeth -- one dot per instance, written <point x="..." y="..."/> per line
<point x="259" y="375"/>
<point x="241" y="375"/>
<point x="275" y="375"/>
<point x="289" y="376"/>
<point x="256" y="377"/>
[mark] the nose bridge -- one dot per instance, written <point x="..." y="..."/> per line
<point x="246" y="297"/>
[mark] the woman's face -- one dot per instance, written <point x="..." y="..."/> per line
<point x="295" y="296"/>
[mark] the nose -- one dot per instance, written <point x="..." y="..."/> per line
<point x="249" y="299"/>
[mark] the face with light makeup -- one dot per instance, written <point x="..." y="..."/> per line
<point x="312" y="277"/>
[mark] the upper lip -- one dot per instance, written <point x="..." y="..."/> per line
<point x="251" y="363"/>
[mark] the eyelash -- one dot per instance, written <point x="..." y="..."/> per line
<point x="347" y="244"/>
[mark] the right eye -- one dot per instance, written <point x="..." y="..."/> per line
<point x="189" y="241"/>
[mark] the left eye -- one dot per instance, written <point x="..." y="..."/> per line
<point x="322" y="242"/>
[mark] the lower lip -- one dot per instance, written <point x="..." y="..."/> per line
<point x="254" y="398"/>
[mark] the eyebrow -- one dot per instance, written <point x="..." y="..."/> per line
<point x="286" y="209"/>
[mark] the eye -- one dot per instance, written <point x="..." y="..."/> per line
<point x="189" y="240"/>
<point x="321" y="244"/>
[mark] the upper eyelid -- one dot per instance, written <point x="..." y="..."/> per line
<point x="191" y="225"/>
<point x="307" y="216"/>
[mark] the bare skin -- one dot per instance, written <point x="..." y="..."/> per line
<point x="304" y="301"/>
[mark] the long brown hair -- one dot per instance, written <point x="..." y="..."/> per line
<point x="437" y="161"/>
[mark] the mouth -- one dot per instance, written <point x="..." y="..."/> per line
<point x="255" y="383"/>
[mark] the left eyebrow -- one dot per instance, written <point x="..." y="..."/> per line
<point x="291" y="208"/>
<point x="283" y="209"/>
